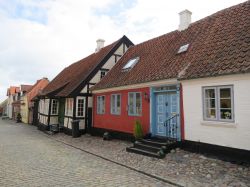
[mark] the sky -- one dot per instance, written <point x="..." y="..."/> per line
<point x="39" y="38"/>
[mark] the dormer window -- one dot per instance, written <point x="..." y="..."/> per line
<point x="131" y="63"/>
<point x="183" y="48"/>
<point x="104" y="72"/>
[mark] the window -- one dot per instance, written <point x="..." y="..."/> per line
<point x="218" y="103"/>
<point x="183" y="48"/>
<point x="134" y="104"/>
<point x="115" y="104"/>
<point x="54" y="109"/>
<point x="100" y="104"/>
<point x="103" y="73"/>
<point x="80" y="107"/>
<point x="131" y="63"/>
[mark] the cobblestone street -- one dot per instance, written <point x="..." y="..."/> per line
<point x="29" y="158"/>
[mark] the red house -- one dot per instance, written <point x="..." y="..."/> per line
<point x="149" y="81"/>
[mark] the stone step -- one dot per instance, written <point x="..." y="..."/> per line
<point x="144" y="152"/>
<point x="153" y="143"/>
<point x="146" y="147"/>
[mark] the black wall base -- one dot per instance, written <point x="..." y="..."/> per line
<point x="224" y="153"/>
<point x="42" y="127"/>
<point x="68" y="131"/>
<point x="114" y="134"/>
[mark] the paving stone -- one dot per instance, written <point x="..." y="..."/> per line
<point x="29" y="158"/>
<point x="176" y="166"/>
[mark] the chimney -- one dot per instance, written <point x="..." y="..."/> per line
<point x="185" y="19"/>
<point x="100" y="44"/>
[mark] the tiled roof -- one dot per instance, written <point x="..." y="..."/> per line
<point x="74" y="75"/>
<point x="219" y="45"/>
<point x="37" y="88"/>
<point x="25" y="88"/>
<point x="12" y="90"/>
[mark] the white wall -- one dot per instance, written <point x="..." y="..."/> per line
<point x="43" y="119"/>
<point x="236" y="134"/>
<point x="43" y="109"/>
<point x="109" y="64"/>
<point x="53" y="120"/>
<point x="9" y="106"/>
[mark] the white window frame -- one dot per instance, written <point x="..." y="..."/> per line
<point x="105" y="73"/>
<point x="52" y="104"/>
<point x="77" y="107"/>
<point x="131" y="63"/>
<point x="134" y="104"/>
<point x="115" y="111"/>
<point x="217" y="103"/>
<point x="100" y="107"/>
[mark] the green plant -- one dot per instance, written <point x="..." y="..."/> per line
<point x="138" y="133"/>
<point x="18" y="118"/>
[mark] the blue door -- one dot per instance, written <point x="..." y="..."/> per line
<point x="166" y="106"/>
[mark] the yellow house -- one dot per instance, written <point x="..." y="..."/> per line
<point x="24" y="108"/>
<point x="28" y="92"/>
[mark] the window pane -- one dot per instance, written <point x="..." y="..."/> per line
<point x="210" y="93"/>
<point x="112" y="104"/>
<point x="103" y="105"/>
<point x="226" y="114"/>
<point x="225" y="103"/>
<point x="210" y="113"/>
<point x="225" y="92"/>
<point x="118" y="104"/>
<point x="210" y="103"/>
<point x="138" y="103"/>
<point x="131" y="108"/>
<point x="80" y="107"/>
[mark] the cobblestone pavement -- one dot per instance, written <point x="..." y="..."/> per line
<point x="30" y="158"/>
<point x="188" y="169"/>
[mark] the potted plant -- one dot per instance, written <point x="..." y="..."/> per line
<point x="19" y="118"/>
<point x="138" y="133"/>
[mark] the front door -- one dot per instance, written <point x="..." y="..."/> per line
<point x="166" y="107"/>
<point x="61" y="111"/>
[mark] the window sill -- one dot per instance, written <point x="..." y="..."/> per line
<point x="219" y="124"/>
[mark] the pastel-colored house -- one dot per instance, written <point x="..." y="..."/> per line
<point x="67" y="97"/>
<point x="192" y="84"/>
<point x="27" y="106"/>
<point x="3" y="108"/>
<point x="12" y="93"/>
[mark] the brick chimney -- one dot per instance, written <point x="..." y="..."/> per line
<point x="185" y="19"/>
<point x="100" y="44"/>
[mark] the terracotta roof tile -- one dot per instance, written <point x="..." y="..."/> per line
<point x="219" y="45"/>
<point x="74" y="75"/>
<point x="25" y="88"/>
<point x="12" y="90"/>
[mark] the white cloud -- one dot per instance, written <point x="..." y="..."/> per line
<point x="40" y="38"/>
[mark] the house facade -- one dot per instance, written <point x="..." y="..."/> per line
<point x="67" y="97"/>
<point x="190" y="84"/>
<point x="3" y="108"/>
<point x="220" y="113"/>
<point x="27" y="105"/>
<point x="13" y="94"/>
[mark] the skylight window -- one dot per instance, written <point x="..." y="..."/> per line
<point x="131" y="63"/>
<point x="183" y="48"/>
